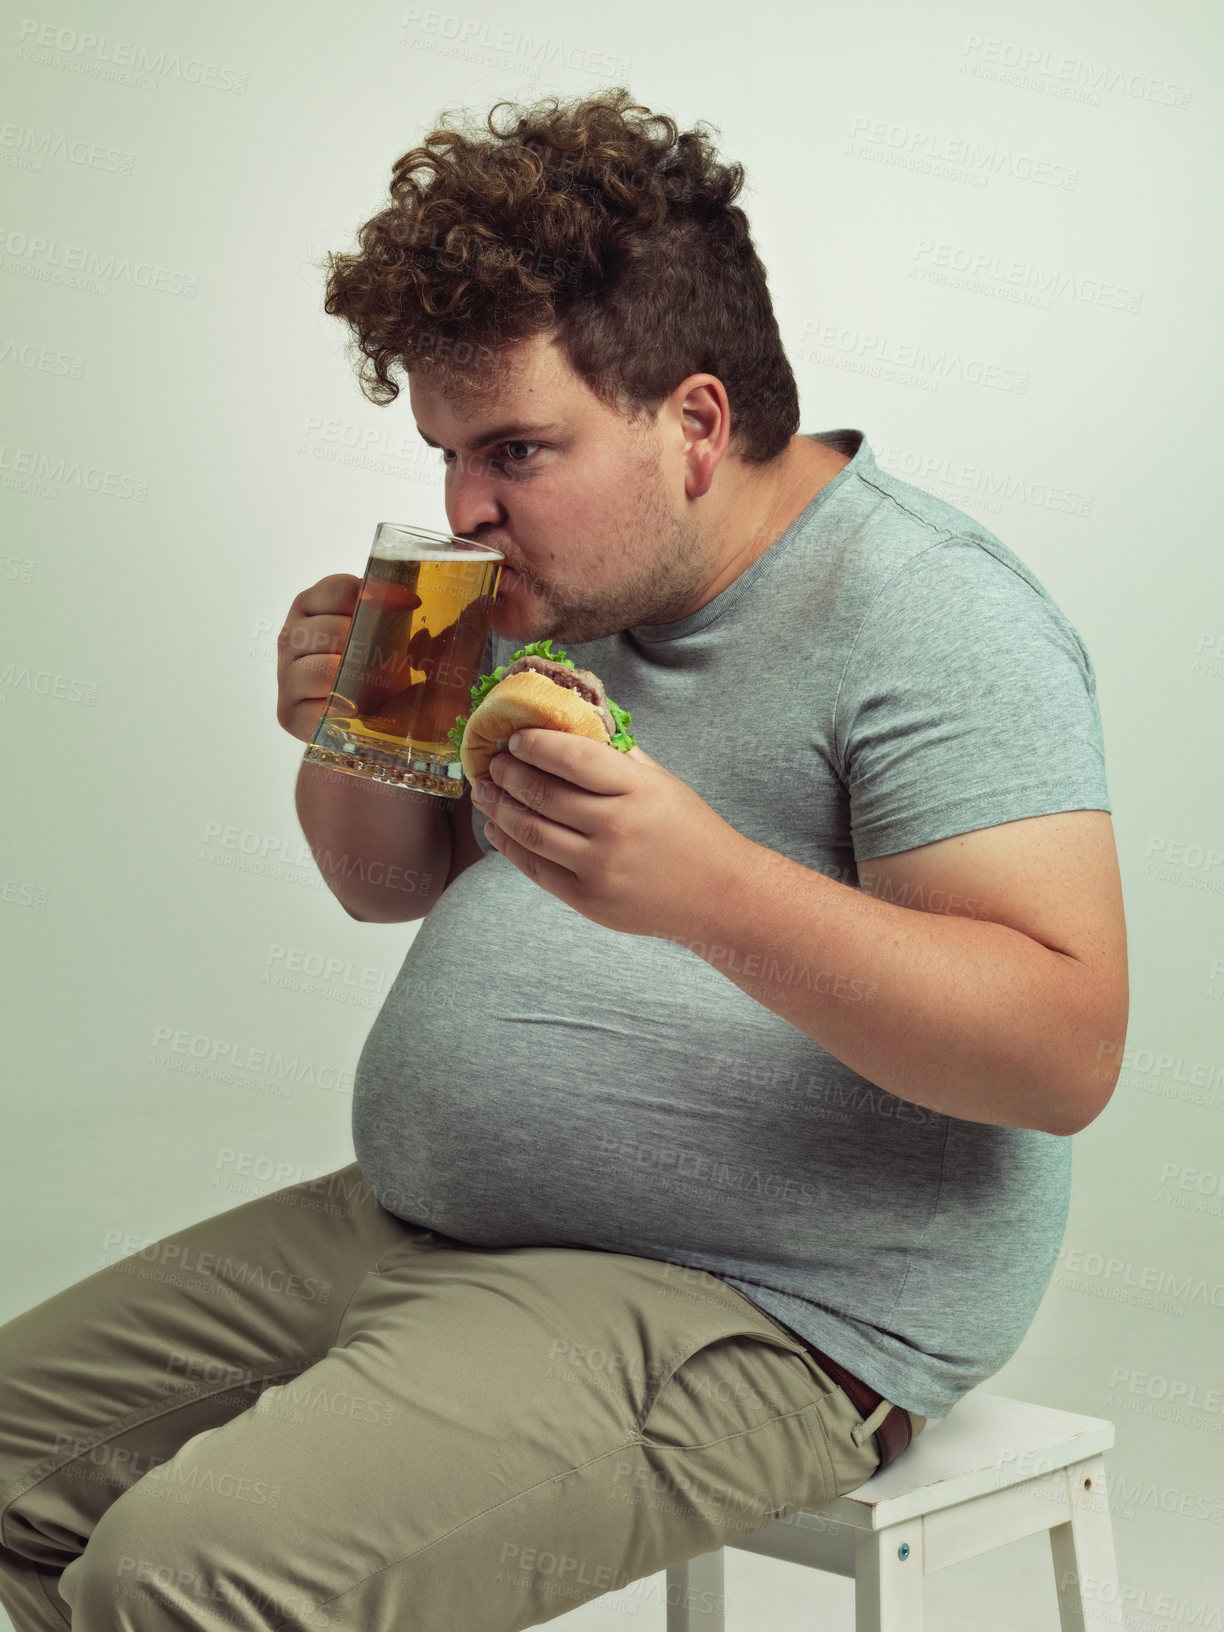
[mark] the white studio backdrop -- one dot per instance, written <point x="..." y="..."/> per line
<point x="991" y="231"/>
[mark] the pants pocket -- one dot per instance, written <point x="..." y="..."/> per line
<point x="726" y="1384"/>
<point x="735" y="1425"/>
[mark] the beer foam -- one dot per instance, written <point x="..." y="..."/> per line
<point x="412" y="551"/>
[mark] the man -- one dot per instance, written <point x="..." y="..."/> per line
<point x="715" y="1127"/>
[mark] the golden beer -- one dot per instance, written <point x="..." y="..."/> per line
<point x="413" y="653"/>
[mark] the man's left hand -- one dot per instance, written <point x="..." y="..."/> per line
<point x="615" y="836"/>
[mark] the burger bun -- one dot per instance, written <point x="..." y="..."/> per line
<point x="524" y="699"/>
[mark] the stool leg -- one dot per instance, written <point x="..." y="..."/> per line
<point x="888" y="1579"/>
<point x="690" y="1586"/>
<point x="1085" y="1567"/>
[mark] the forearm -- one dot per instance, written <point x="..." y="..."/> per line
<point x="383" y="852"/>
<point x="963" y="1016"/>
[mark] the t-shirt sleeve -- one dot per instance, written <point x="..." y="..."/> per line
<point x="967" y="700"/>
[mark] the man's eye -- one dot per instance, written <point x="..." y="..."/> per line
<point x="517" y="453"/>
<point x="516" y="458"/>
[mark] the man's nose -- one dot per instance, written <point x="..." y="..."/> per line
<point x="471" y="500"/>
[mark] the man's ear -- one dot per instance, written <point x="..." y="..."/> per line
<point x="702" y="417"/>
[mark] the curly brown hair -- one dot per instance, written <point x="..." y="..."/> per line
<point x="593" y="218"/>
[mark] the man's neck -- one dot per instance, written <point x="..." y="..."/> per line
<point x="811" y="465"/>
<point x="775" y="501"/>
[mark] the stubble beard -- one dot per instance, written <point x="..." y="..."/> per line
<point x="663" y="589"/>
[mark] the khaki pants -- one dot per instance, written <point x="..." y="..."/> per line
<point x="306" y="1413"/>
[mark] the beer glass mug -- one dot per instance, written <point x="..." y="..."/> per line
<point x="412" y="656"/>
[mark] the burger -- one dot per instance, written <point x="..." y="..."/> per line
<point x="539" y="686"/>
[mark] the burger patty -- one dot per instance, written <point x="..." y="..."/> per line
<point x="586" y="684"/>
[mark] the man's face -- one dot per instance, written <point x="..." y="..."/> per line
<point x="587" y="507"/>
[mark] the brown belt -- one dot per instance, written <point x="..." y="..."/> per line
<point x="894" y="1432"/>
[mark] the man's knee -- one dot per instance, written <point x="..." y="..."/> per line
<point x="26" y="1434"/>
<point x="154" y="1562"/>
<point x="134" y="1572"/>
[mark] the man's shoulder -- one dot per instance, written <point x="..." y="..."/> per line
<point x="895" y="530"/>
<point x="920" y="572"/>
<point x="876" y="524"/>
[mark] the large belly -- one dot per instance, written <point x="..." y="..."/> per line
<point x="533" y="1078"/>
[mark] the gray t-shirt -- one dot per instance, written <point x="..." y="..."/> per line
<point x="886" y="674"/>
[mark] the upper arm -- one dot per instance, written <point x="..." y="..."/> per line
<point x="1053" y="878"/>
<point x="968" y="701"/>
<point x="464" y="848"/>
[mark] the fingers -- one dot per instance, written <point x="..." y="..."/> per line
<point x="308" y="651"/>
<point x="335" y="593"/>
<point x="546" y="837"/>
<point x="306" y="636"/>
<point x="586" y="763"/>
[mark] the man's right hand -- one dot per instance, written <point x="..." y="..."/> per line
<point x="309" y="648"/>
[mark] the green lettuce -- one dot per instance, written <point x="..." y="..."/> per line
<point x="621" y="717"/>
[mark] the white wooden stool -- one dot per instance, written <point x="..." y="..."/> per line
<point x="989" y="1472"/>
